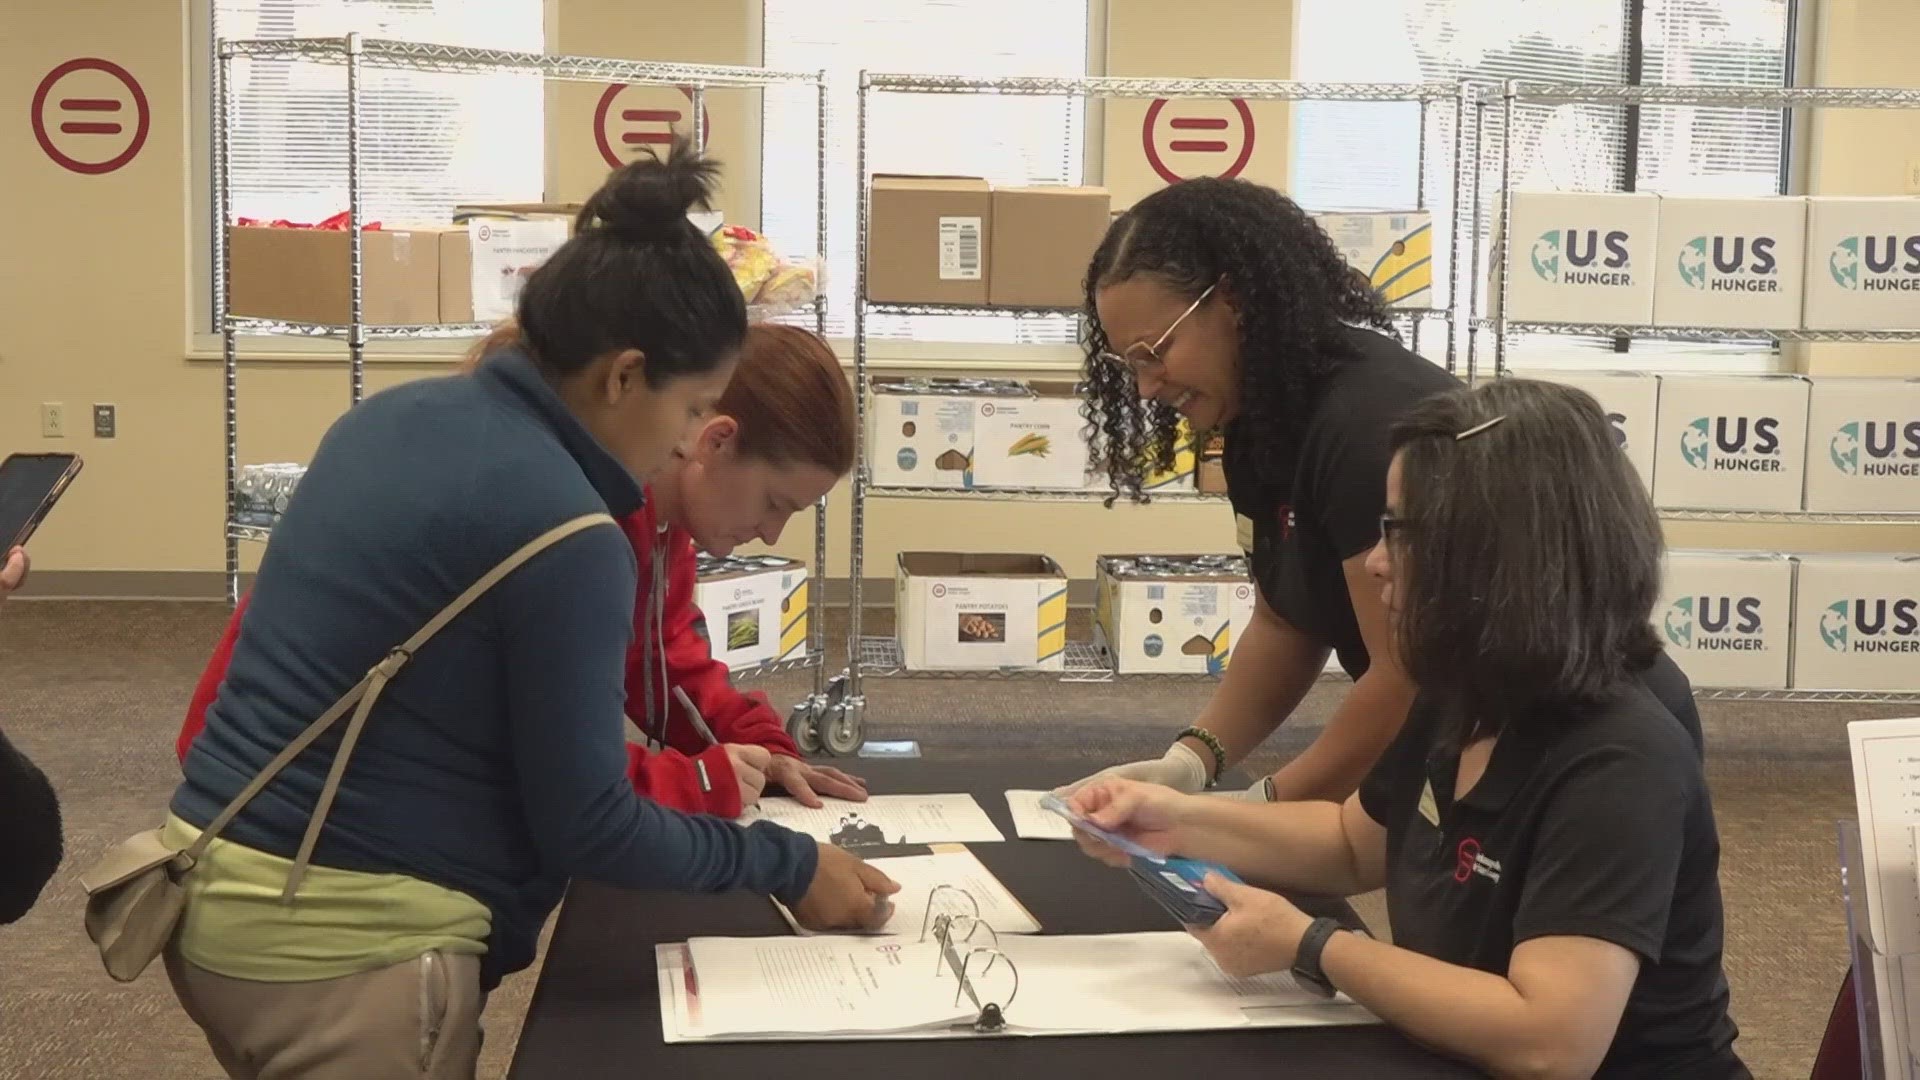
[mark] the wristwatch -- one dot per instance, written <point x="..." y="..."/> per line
<point x="1306" y="959"/>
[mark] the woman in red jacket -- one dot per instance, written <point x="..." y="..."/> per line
<point x="781" y="437"/>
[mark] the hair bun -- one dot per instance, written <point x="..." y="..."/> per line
<point x="649" y="198"/>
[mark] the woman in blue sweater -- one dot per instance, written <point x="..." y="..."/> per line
<point x="493" y="767"/>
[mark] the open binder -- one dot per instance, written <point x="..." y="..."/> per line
<point x="961" y="979"/>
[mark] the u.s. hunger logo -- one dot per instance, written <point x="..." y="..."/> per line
<point x="1696" y="442"/>
<point x="1545" y="257"/>
<point x="1693" y="263"/>
<point x="1844" y="449"/>
<point x="1679" y="623"/>
<point x="1836" y="625"/>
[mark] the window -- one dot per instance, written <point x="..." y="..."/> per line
<point x="430" y="140"/>
<point x="1366" y="156"/>
<point x="1035" y="140"/>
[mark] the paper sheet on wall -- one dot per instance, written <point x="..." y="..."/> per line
<point x="920" y="875"/>
<point x="1886" y="788"/>
<point x="883" y="819"/>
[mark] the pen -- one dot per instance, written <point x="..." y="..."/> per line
<point x="693" y="714"/>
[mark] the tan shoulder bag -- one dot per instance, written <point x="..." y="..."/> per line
<point x="136" y="893"/>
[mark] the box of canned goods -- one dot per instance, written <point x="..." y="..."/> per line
<point x="921" y="430"/>
<point x="262" y="492"/>
<point x="754" y="607"/>
<point x="1171" y="613"/>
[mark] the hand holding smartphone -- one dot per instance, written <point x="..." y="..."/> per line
<point x="29" y="486"/>
<point x="1174" y="883"/>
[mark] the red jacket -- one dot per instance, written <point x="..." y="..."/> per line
<point x="669" y="778"/>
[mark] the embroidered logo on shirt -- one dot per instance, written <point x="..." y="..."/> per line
<point x="1287" y="522"/>
<point x="1473" y="861"/>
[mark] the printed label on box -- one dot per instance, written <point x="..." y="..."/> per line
<point x="1857" y="623"/>
<point x="1863" y="445"/>
<point x="1731" y="444"/>
<point x="1863" y="264"/>
<point x="1582" y="258"/>
<point x="1732" y="263"/>
<point x="1724" y="618"/>
<point x="505" y="255"/>
<point x="960" y="249"/>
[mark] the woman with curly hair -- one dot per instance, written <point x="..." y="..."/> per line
<point x="1221" y="303"/>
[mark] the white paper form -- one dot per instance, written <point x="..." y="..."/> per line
<point x="1030" y="822"/>
<point x="1146" y="981"/>
<point x="1886" y="789"/>
<point x="883" y="819"/>
<point x="920" y="875"/>
<point x="819" y="986"/>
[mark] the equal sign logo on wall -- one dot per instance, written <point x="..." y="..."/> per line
<point x="90" y="116"/>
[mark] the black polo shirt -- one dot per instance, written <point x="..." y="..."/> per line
<point x="1596" y="825"/>
<point x="1300" y="522"/>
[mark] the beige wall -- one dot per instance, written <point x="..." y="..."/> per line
<point x="96" y="288"/>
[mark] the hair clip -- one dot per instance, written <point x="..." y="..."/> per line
<point x="1478" y="428"/>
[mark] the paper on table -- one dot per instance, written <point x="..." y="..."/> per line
<point x="820" y="986"/>
<point x="1145" y="981"/>
<point x="920" y="875"/>
<point x="1030" y="822"/>
<point x="883" y="819"/>
<point x="1886" y="787"/>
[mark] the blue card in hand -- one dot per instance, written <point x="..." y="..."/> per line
<point x="1177" y="885"/>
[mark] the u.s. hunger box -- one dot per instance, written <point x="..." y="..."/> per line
<point x="1581" y="258"/>
<point x="1725" y="617"/>
<point x="1863" y="444"/>
<point x="1730" y="263"/>
<point x="980" y="612"/>
<point x="1857" y="623"/>
<point x="1863" y="264"/>
<point x="1731" y="443"/>
<point x="1631" y="400"/>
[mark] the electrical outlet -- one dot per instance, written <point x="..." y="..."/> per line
<point x="103" y="421"/>
<point x="53" y="420"/>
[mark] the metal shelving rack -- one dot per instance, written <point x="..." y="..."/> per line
<point x="1513" y="94"/>
<point x="880" y="657"/>
<point x="356" y="54"/>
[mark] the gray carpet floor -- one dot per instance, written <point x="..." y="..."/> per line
<point x="94" y="693"/>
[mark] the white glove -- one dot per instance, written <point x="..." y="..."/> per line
<point x="1180" y="769"/>
<point x="1256" y="793"/>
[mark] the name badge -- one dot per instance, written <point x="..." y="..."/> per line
<point x="1243" y="532"/>
<point x="1429" y="808"/>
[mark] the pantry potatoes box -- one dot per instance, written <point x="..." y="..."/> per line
<point x="1042" y="239"/>
<point x="1580" y="258"/>
<point x="1631" y="400"/>
<point x="1727" y="617"/>
<point x="1863" y="445"/>
<point x="1863" y="264"/>
<point x="755" y="616"/>
<point x="928" y="239"/>
<point x="1731" y="443"/>
<point x="1731" y="263"/>
<point x="302" y="275"/>
<point x="1033" y="442"/>
<point x="1857" y="623"/>
<point x="1170" y="623"/>
<point x="1393" y="250"/>
<point x="980" y="612"/>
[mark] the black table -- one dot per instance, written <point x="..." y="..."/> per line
<point x="596" y="1009"/>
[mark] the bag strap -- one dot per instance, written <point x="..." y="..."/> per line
<point x="363" y="695"/>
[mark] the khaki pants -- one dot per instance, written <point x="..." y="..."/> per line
<point x="417" y="1019"/>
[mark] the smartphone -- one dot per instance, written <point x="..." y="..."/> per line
<point x="1178" y="886"/>
<point x="29" y="486"/>
<point x="1057" y="805"/>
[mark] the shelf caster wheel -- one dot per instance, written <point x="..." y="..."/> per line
<point x="803" y="725"/>
<point x="841" y="727"/>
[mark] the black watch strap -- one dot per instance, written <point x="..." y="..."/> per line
<point x="1306" y="959"/>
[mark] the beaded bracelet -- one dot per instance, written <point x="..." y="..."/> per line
<point x="1213" y="743"/>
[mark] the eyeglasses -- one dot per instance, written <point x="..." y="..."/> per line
<point x="1152" y="360"/>
<point x="1393" y="528"/>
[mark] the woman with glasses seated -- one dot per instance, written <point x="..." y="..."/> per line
<point x="1221" y="303"/>
<point x="1541" y="826"/>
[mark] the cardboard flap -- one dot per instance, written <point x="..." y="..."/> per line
<point x="977" y="564"/>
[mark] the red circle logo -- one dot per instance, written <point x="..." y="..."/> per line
<point x="1198" y="141"/>
<point x="1242" y="592"/>
<point x="90" y="116"/>
<point x="939" y="591"/>
<point x="486" y="233"/>
<point x="643" y="119"/>
<point x="986" y="408"/>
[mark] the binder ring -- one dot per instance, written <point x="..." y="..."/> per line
<point x="992" y="1014"/>
<point x="930" y="919"/>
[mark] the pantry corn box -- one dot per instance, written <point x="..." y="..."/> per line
<point x="1031" y="442"/>
<point x="754" y="607"/>
<point x="921" y="430"/>
<point x="958" y="611"/>
<point x="1171" y="613"/>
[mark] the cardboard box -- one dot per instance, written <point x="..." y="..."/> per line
<point x="1734" y="263"/>
<point x="1727" y="617"/>
<point x="1863" y="258"/>
<point x="456" y="277"/>
<point x="1042" y="240"/>
<point x="301" y="275"/>
<point x="1731" y="443"/>
<point x="929" y="239"/>
<point x="1034" y="442"/>
<point x="1148" y="620"/>
<point x="1581" y="258"/>
<point x="1863" y="445"/>
<point x="566" y="211"/>
<point x="483" y="268"/>
<point x="921" y="431"/>
<point x="1632" y="402"/>
<point x="1857" y="623"/>
<point x="754" y="615"/>
<point x="1186" y="463"/>
<point x="1394" y="251"/>
<point x="968" y="612"/>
